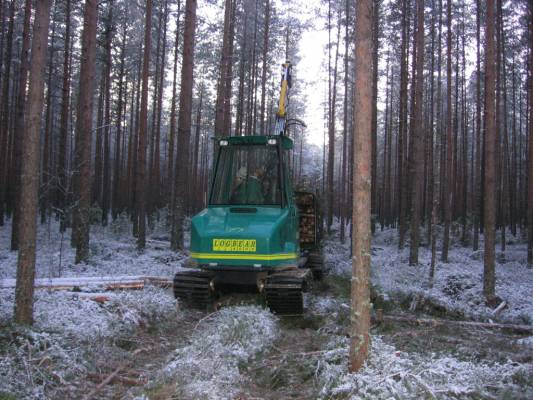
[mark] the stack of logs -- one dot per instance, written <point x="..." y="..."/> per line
<point x="308" y="218"/>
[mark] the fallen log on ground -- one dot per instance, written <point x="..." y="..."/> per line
<point x="514" y="328"/>
<point x="105" y="282"/>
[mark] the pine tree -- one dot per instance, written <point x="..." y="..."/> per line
<point x="416" y="155"/>
<point x="360" y="314"/>
<point x="489" y="224"/>
<point x="29" y="182"/>
<point x="84" y="132"/>
<point x="184" y="126"/>
<point x="530" y="173"/>
<point x="140" y="190"/>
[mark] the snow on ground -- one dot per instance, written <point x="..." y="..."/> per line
<point x="457" y="285"/>
<point x="393" y="374"/>
<point x="209" y="367"/>
<point x="69" y="334"/>
<point x="70" y="330"/>
<point x="389" y="373"/>
<point x="112" y="252"/>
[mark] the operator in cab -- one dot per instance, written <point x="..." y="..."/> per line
<point x="249" y="188"/>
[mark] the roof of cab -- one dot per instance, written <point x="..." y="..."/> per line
<point x="286" y="143"/>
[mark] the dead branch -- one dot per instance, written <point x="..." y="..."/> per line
<point x="113" y="375"/>
<point x="523" y="329"/>
<point x="118" y="379"/>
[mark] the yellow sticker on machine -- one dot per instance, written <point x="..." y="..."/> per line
<point x="239" y="245"/>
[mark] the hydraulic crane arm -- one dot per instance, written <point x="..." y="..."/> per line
<point x="281" y="115"/>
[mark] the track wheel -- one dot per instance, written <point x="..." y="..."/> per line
<point x="315" y="263"/>
<point x="193" y="288"/>
<point x="284" y="294"/>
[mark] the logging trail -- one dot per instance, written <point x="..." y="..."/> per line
<point x="137" y="344"/>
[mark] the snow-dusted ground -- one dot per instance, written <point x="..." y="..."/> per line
<point x="209" y="367"/>
<point x="220" y="355"/>
<point x="72" y="336"/>
<point x="458" y="284"/>
<point x="112" y="252"/>
<point x="392" y="373"/>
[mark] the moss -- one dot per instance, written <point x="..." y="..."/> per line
<point x="337" y="285"/>
<point x="7" y="396"/>
<point x="161" y="391"/>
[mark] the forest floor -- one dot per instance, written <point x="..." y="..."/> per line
<point x="160" y="350"/>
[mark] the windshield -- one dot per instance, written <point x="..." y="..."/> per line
<point x="247" y="175"/>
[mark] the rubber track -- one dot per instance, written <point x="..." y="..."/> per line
<point x="192" y="287"/>
<point x="284" y="294"/>
<point x="315" y="262"/>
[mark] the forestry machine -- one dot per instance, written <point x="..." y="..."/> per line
<point x="256" y="232"/>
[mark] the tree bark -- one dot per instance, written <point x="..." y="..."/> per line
<point x="172" y="123"/>
<point x="264" y="67"/>
<point x="448" y="182"/>
<point x="117" y="201"/>
<point x="530" y="173"/>
<point x="106" y="192"/>
<point x="417" y="157"/>
<point x="477" y="167"/>
<point x="375" y="51"/>
<point x="490" y="160"/>
<point x="331" y="131"/>
<point x="184" y="126"/>
<point x="63" y="125"/>
<point x="46" y="170"/>
<point x="19" y="120"/>
<point x="225" y="60"/>
<point x="143" y="124"/>
<point x="402" y="127"/>
<point x="4" y="113"/>
<point x="29" y="183"/>
<point x="344" y="124"/>
<point x="84" y="130"/>
<point x="360" y="313"/>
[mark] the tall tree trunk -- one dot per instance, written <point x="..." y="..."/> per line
<point x="195" y="198"/>
<point x="19" y="120"/>
<point x="118" y="203"/>
<point x="63" y="125"/>
<point x="417" y="159"/>
<point x="375" y="70"/>
<point x="4" y="112"/>
<point x="490" y="160"/>
<point x="96" y="197"/>
<point x="344" y="122"/>
<point x="156" y="179"/>
<point x="402" y="127"/>
<point x="225" y="60"/>
<point x="172" y="123"/>
<point x="229" y="73"/>
<point x="29" y="183"/>
<point x="331" y="131"/>
<point x="264" y="67"/>
<point x="84" y="130"/>
<point x="239" y="119"/>
<point x="106" y="192"/>
<point x="530" y="173"/>
<point x="448" y="182"/>
<point x="360" y="313"/>
<point x="46" y="170"/>
<point x="143" y="122"/>
<point x="184" y="125"/>
<point x="477" y="167"/>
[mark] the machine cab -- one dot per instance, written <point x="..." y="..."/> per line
<point x="251" y="218"/>
<point x="251" y="171"/>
